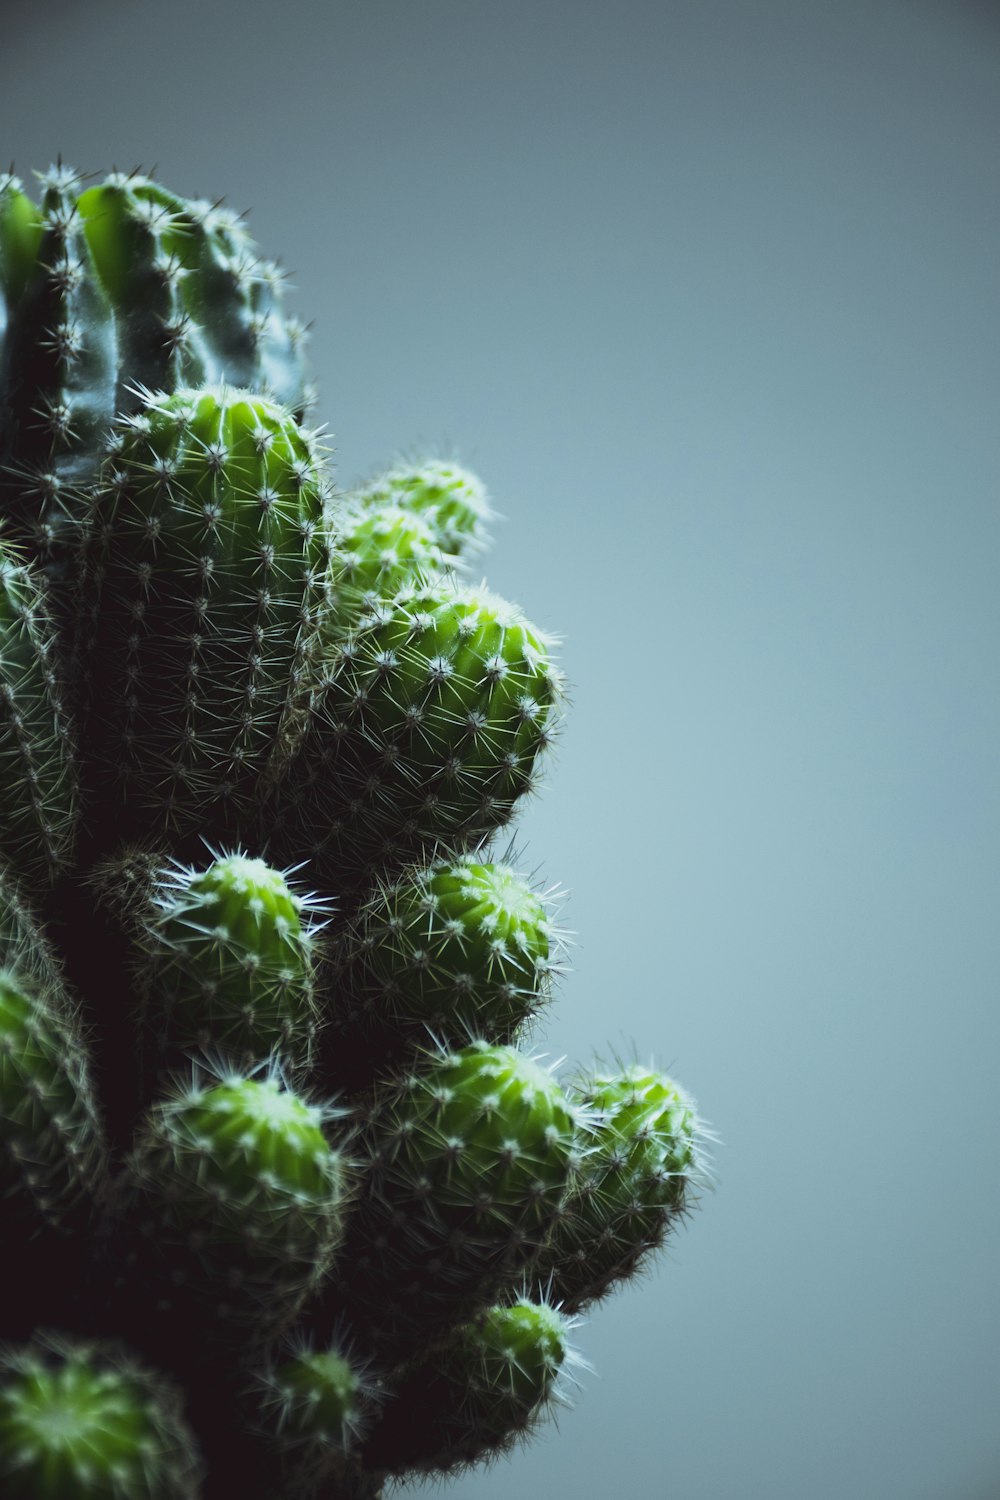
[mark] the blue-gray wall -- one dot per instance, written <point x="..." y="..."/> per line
<point x="709" y="292"/>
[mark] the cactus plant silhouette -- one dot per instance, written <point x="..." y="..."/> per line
<point x="292" y="1207"/>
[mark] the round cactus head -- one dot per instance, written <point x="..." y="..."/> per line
<point x="427" y="729"/>
<point x="228" y="960"/>
<point x="642" y="1162"/>
<point x="452" y="501"/>
<point x="80" y="1422"/>
<point x="462" y="948"/>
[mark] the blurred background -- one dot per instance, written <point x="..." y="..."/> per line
<point x="709" y="294"/>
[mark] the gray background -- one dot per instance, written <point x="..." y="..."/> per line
<point x="708" y="293"/>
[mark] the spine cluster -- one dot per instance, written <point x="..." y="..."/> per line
<point x="293" y="1208"/>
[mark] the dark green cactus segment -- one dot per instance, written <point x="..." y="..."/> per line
<point x="58" y="366"/>
<point x="460" y="948"/>
<point x="209" y="570"/>
<point x="452" y="502"/>
<point x="86" y="1422"/>
<point x="312" y="1404"/>
<point x="481" y="1390"/>
<point x="228" y="959"/>
<point x="427" y="728"/>
<point x="107" y="292"/>
<point x="38" y="784"/>
<point x="242" y="1197"/>
<point x="636" y="1184"/>
<point x="470" y="1160"/>
<point x="24" y="945"/>
<point x="52" y="1154"/>
<point x="196" y="304"/>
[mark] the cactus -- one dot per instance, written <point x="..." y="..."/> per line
<point x="292" y="1210"/>
<point x="106" y="290"/>
<point x="85" y="1422"/>
<point x="205" y="575"/>
<point x="429" y="718"/>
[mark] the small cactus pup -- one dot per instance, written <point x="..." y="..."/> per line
<point x="377" y="553"/>
<point x="637" y="1183"/>
<point x="105" y="289"/>
<point x="205" y="576"/>
<point x="428" y="721"/>
<point x="38" y="781"/>
<point x="226" y="958"/>
<point x="460" y="948"/>
<point x="240" y="1199"/>
<point x="85" y="1421"/>
<point x="471" y="1157"/>
<point x="477" y="1393"/>
<point x="451" y="500"/>
<point x="312" y="1405"/>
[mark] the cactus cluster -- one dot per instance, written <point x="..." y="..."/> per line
<point x="292" y="1207"/>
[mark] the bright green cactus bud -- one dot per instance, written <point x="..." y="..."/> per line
<point x="242" y="1198"/>
<point x="207" y="573"/>
<point x="460" y="948"/>
<point x="54" y="1159"/>
<point x="480" y="1390"/>
<point x="377" y="553"/>
<point x="636" y="1183"/>
<point x="451" y="500"/>
<point x="472" y="1156"/>
<point x="106" y="291"/>
<point x="228" y="961"/>
<point x="85" y="1422"/>
<point x="427" y="727"/>
<point x="38" y="784"/>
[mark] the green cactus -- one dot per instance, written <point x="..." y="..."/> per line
<point x="427" y="724"/>
<point x="640" y="1174"/>
<point x="106" y="291"/>
<point x="53" y="1155"/>
<point x="290" y="1150"/>
<point x="242" y="1197"/>
<point x="470" y="1159"/>
<point x="477" y="1393"/>
<point x="227" y="958"/>
<point x="451" y="500"/>
<point x="459" y="949"/>
<point x="38" y="782"/>
<point x="206" y="573"/>
<point x="84" y="1421"/>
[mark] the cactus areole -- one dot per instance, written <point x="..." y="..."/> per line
<point x="293" y="1204"/>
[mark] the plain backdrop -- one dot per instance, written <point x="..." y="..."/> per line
<point x="708" y="292"/>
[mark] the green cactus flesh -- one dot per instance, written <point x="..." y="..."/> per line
<point x="38" y="784"/>
<point x="451" y="501"/>
<point x="290" y="1212"/>
<point x="53" y="1152"/>
<point x="477" y="1393"/>
<point x="242" y="1194"/>
<point x="206" y="575"/>
<point x="427" y="726"/>
<point x="635" y="1185"/>
<point x="471" y="1158"/>
<point x="107" y="291"/>
<point x="228" y="960"/>
<point x="461" y="949"/>
<point x="81" y="1422"/>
